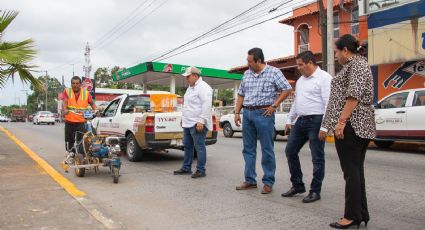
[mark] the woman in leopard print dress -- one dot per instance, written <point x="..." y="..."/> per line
<point x="350" y="114"/>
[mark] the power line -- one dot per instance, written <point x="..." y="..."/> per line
<point x="234" y="22"/>
<point x="119" y="35"/>
<point x="247" y="13"/>
<point x="125" y="20"/>
<point x="229" y="34"/>
<point x="218" y="30"/>
<point x="252" y="18"/>
<point x="221" y="37"/>
<point x="122" y="27"/>
<point x="214" y="28"/>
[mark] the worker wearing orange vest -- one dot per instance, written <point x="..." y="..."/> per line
<point x="75" y="101"/>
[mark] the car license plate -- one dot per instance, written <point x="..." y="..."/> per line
<point x="176" y="142"/>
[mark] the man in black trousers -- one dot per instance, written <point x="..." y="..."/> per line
<point x="305" y="118"/>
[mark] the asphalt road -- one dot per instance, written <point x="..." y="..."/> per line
<point x="149" y="196"/>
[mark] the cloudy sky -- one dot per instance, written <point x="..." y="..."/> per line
<point x="127" y="32"/>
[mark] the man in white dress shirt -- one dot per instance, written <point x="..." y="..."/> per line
<point x="305" y="118"/>
<point x="196" y="121"/>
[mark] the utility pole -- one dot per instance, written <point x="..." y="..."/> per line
<point x="323" y="32"/>
<point x="46" y="88"/>
<point x="87" y="65"/>
<point x="330" y="38"/>
<point x="26" y="93"/>
<point x="72" y="70"/>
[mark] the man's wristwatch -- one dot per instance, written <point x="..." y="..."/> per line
<point x="274" y="106"/>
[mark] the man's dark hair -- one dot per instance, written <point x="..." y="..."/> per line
<point x="75" y="78"/>
<point x="349" y="42"/>
<point x="257" y="53"/>
<point x="307" y="56"/>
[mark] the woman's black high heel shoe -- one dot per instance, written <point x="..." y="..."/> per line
<point x="365" y="222"/>
<point x="340" y="226"/>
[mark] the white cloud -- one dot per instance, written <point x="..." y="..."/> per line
<point x="62" y="28"/>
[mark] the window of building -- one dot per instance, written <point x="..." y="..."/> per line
<point x="355" y="21"/>
<point x="303" y="39"/>
<point x="336" y="25"/>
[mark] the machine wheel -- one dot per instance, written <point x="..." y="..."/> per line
<point x="115" y="174"/>
<point x="227" y="130"/>
<point x="133" y="151"/>
<point x="79" y="172"/>
<point x="384" y="144"/>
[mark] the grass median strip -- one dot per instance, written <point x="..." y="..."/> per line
<point x="61" y="180"/>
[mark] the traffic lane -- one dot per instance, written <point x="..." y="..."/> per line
<point x="394" y="183"/>
<point x="149" y="194"/>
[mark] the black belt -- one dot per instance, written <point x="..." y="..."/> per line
<point x="309" y="116"/>
<point x="256" y="107"/>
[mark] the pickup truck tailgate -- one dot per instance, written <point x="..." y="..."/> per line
<point x="168" y="122"/>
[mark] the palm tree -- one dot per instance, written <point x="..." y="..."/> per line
<point x="15" y="56"/>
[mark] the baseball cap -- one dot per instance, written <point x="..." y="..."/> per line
<point x="191" y="70"/>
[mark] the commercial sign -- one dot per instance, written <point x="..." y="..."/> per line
<point x="400" y="76"/>
<point x="397" y="39"/>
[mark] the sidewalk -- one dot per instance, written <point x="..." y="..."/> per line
<point x="31" y="199"/>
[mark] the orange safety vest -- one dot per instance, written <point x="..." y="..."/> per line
<point x="76" y="106"/>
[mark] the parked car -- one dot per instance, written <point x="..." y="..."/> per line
<point x="46" y="117"/>
<point x="141" y="124"/>
<point x="3" y="118"/>
<point x="400" y="117"/>
<point x="227" y="123"/>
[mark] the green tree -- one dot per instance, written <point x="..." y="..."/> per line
<point x="15" y="56"/>
<point x="36" y="101"/>
<point x="7" y="110"/>
<point x="225" y="95"/>
<point x="104" y="79"/>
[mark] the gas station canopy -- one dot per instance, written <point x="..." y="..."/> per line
<point x="166" y="74"/>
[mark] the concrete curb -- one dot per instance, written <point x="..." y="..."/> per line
<point x="67" y="185"/>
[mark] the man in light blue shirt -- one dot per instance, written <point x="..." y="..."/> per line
<point x="262" y="89"/>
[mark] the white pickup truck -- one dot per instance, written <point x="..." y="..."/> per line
<point x="400" y="116"/>
<point x="227" y="123"/>
<point x="142" y="126"/>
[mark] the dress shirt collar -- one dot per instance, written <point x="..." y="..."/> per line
<point x="314" y="74"/>
<point x="196" y="83"/>
<point x="258" y="74"/>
